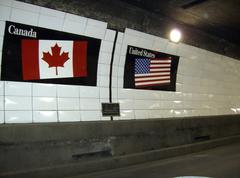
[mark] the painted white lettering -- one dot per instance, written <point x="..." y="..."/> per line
<point x="22" y="32"/>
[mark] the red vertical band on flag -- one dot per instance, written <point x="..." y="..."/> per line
<point x="30" y="64"/>
<point x="80" y="58"/>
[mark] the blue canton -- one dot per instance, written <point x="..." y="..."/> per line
<point x="142" y="65"/>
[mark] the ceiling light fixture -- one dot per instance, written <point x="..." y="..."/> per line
<point x="175" y="35"/>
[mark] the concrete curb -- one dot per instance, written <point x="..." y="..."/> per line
<point x="120" y="161"/>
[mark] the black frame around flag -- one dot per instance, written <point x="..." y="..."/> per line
<point x="129" y="69"/>
<point x="11" y="54"/>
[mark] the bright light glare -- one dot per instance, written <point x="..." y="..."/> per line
<point x="175" y="35"/>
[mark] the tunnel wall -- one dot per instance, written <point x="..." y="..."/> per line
<point x="42" y="147"/>
<point x="42" y="125"/>
<point x="207" y="82"/>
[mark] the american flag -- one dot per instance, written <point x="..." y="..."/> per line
<point x="152" y="72"/>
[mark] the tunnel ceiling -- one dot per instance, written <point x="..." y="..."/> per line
<point x="218" y="17"/>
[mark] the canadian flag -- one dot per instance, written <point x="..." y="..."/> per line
<point x="45" y="59"/>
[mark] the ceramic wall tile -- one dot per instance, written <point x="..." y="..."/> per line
<point x="127" y="115"/>
<point x="25" y="17"/>
<point x="126" y="93"/>
<point x="120" y="37"/>
<point x="90" y="115"/>
<point x="2" y="83"/>
<point x="74" y="27"/>
<point x="69" y="116"/>
<point x="141" y="114"/>
<point x="2" y="29"/>
<point x="44" y="103"/>
<point x="5" y="12"/>
<point x="97" y="23"/>
<point x="104" y="92"/>
<point x="47" y="90"/>
<point x="106" y="46"/>
<point x="50" y="22"/>
<point x="44" y="116"/>
<point x="1" y="103"/>
<point x="68" y="104"/>
<point x="18" y="117"/>
<point x="0" y="59"/>
<point x="76" y="18"/>
<point x="89" y="104"/>
<point x="6" y="2"/>
<point x="126" y="104"/>
<point x="18" y="89"/>
<point x="89" y="92"/>
<point x="18" y="103"/>
<point x="52" y="12"/>
<point x="26" y="6"/>
<point x="110" y="35"/>
<point x="95" y="32"/>
<point x="68" y="91"/>
<point x="103" y="81"/>
<point x="1" y="40"/>
<point x="2" y="117"/>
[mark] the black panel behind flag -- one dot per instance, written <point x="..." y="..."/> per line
<point x="35" y="54"/>
<point x="150" y="70"/>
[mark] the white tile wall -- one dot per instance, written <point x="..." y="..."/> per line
<point x="5" y="12"/>
<point x="105" y="58"/>
<point x="76" y="18"/>
<point x="107" y="46"/>
<point x="68" y="104"/>
<point x="120" y="37"/>
<point x="1" y="103"/>
<point x="68" y="91"/>
<point x="89" y="92"/>
<point x="103" y="81"/>
<point x="110" y="35"/>
<point x="90" y="104"/>
<point x="104" y="92"/>
<point x="50" y="22"/>
<point x="90" y="116"/>
<point x="0" y="59"/>
<point x="2" y="28"/>
<point x="69" y="116"/>
<point x="127" y="115"/>
<point x="141" y="114"/>
<point x="160" y="44"/>
<point x="18" y="89"/>
<point x="198" y="78"/>
<point x="44" y="103"/>
<point x="6" y="2"/>
<point x="1" y="40"/>
<point x="1" y="88"/>
<point x="126" y="104"/>
<point x="26" y="6"/>
<point x="97" y="23"/>
<point x="93" y="31"/>
<point x="1" y="117"/>
<point x="52" y="12"/>
<point x="74" y="27"/>
<point x="18" y="116"/>
<point x="104" y="69"/>
<point x="18" y="103"/>
<point x="45" y="116"/>
<point x="23" y="16"/>
<point x="207" y="83"/>
<point x="47" y="90"/>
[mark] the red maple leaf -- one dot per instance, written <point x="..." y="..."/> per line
<point x="55" y="59"/>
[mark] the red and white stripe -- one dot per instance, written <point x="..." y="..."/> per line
<point x="159" y="74"/>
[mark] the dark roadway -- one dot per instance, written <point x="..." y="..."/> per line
<point x="221" y="162"/>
